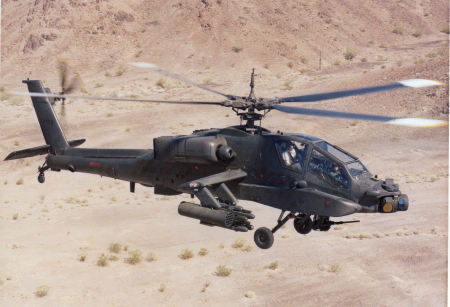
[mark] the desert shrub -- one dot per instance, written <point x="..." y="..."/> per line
<point x="223" y="271"/>
<point x="41" y="291"/>
<point x="115" y="247"/>
<point x="134" y="257"/>
<point x="238" y="243"/>
<point x="237" y="49"/>
<point x="186" y="254"/>
<point x="162" y="288"/>
<point x="161" y="83"/>
<point x="203" y="251"/>
<point x="272" y="265"/>
<point x="102" y="260"/>
<point x="334" y="268"/>
<point x="19" y="181"/>
<point x="113" y="258"/>
<point x="398" y="30"/>
<point x="120" y="71"/>
<point x="417" y="33"/>
<point x="349" y="54"/>
<point x="151" y="257"/>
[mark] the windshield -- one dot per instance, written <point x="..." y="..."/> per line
<point x="344" y="157"/>
<point x="354" y="166"/>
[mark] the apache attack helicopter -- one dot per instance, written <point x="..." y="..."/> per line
<point x="305" y="176"/>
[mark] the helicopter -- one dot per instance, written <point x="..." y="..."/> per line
<point x="307" y="178"/>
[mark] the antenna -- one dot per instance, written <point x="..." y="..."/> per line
<point x="252" y="86"/>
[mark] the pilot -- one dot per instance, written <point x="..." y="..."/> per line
<point x="336" y="173"/>
<point x="291" y="157"/>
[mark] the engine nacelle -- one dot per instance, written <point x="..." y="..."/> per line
<point x="192" y="149"/>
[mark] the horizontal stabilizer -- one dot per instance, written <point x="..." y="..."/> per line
<point x="39" y="150"/>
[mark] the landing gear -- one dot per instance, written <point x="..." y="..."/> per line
<point x="41" y="170"/>
<point x="41" y="177"/>
<point x="263" y="237"/>
<point x="303" y="224"/>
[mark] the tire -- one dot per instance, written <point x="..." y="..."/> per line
<point x="303" y="224"/>
<point x="263" y="237"/>
<point x="41" y="178"/>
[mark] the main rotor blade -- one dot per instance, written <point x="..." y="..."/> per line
<point x="411" y="122"/>
<point x="362" y="91"/>
<point x="174" y="76"/>
<point x="114" y="98"/>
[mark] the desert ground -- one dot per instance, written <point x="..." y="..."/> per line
<point x="76" y="239"/>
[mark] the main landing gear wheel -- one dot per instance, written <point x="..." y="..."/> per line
<point x="303" y="224"/>
<point x="263" y="237"/>
<point x="41" y="178"/>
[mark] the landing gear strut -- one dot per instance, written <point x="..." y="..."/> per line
<point x="264" y="236"/>
<point x="41" y="170"/>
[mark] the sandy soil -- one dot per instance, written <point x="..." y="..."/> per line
<point x="385" y="260"/>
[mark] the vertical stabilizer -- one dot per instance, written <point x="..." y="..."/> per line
<point x="51" y="129"/>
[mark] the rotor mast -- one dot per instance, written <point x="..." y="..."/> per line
<point x="250" y="116"/>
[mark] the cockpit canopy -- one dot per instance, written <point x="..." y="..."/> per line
<point x="327" y="164"/>
<point x="354" y="166"/>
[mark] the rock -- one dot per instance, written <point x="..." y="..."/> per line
<point x="49" y="37"/>
<point x="124" y="16"/>
<point x="33" y="43"/>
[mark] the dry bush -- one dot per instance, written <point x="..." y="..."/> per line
<point x="237" y="49"/>
<point x="247" y="248"/>
<point x="335" y="268"/>
<point x="15" y="216"/>
<point x="290" y="64"/>
<point x="206" y="285"/>
<point x="161" y="83"/>
<point x="287" y="86"/>
<point x="42" y="291"/>
<point x="445" y="30"/>
<point x="398" y="30"/>
<point x="207" y="81"/>
<point x="238" y="243"/>
<point x="102" y="260"/>
<point x="115" y="247"/>
<point x="82" y="258"/>
<point x="151" y="257"/>
<point x="223" y="271"/>
<point x="162" y="288"/>
<point x="120" y="71"/>
<point x="349" y="54"/>
<point x="113" y="258"/>
<point x="272" y="265"/>
<point x="134" y="257"/>
<point x="203" y="251"/>
<point x="417" y="33"/>
<point x="221" y="245"/>
<point x="19" y="181"/>
<point x="186" y="254"/>
<point x="250" y="294"/>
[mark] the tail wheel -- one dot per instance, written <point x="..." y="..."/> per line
<point x="41" y="178"/>
<point x="303" y="224"/>
<point x="263" y="237"/>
